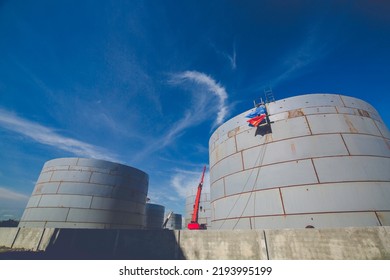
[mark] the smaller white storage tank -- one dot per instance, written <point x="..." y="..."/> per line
<point x="154" y="214"/>
<point x="87" y="193"/>
<point x="175" y="222"/>
<point x="204" y="215"/>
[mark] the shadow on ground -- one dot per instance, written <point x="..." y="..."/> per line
<point x="91" y="244"/>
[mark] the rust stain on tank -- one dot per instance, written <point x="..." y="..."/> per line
<point x="388" y="144"/>
<point x="38" y="188"/>
<point x="268" y="138"/>
<point x="363" y="113"/>
<point x="350" y="124"/>
<point x="293" y="149"/>
<point x="295" y="113"/>
<point x="233" y="132"/>
<point x="217" y="154"/>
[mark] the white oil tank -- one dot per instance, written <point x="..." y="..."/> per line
<point x="204" y="214"/>
<point x="154" y="215"/>
<point x="175" y="222"/>
<point x="324" y="162"/>
<point x="87" y="193"/>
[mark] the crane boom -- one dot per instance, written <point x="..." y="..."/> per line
<point x="195" y="214"/>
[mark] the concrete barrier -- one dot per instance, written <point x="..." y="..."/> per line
<point x="28" y="238"/>
<point x="222" y="245"/>
<point x="7" y="236"/>
<point x="367" y="243"/>
<point x="329" y="244"/>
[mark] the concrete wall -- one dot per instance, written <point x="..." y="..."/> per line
<point x="367" y="243"/>
<point x="7" y="236"/>
<point x="222" y="245"/>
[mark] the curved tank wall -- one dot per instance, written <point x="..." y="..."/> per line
<point x="175" y="222"/>
<point x="326" y="163"/>
<point x="87" y="193"/>
<point x="204" y="216"/>
<point x="154" y="215"/>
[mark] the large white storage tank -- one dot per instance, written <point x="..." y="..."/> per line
<point x="87" y="193"/>
<point x="326" y="163"/>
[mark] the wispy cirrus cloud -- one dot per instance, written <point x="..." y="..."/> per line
<point x="47" y="136"/>
<point x="205" y="84"/>
<point x="185" y="182"/>
<point x="208" y="101"/>
<point x="182" y="183"/>
<point x="231" y="58"/>
<point x="299" y="59"/>
<point x="7" y="194"/>
<point x="12" y="203"/>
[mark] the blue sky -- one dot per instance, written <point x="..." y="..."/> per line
<point x="145" y="83"/>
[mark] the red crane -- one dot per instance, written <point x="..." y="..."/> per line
<point x="194" y="221"/>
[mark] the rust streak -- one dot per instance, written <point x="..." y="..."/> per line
<point x="233" y="132"/>
<point x="350" y="124"/>
<point x="387" y="143"/>
<point x="295" y="113"/>
<point x="38" y="188"/>
<point x="363" y="113"/>
<point x="242" y="162"/>
<point x="217" y="156"/>
<point x="293" y="149"/>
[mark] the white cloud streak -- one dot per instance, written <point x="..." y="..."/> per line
<point x="209" y="99"/>
<point x="296" y="61"/>
<point x="209" y="85"/>
<point x="304" y="55"/>
<point x="12" y="204"/>
<point x="6" y="194"/>
<point x="49" y="137"/>
<point x="312" y="49"/>
<point x="232" y="58"/>
<point x="185" y="182"/>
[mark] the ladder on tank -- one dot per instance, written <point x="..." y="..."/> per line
<point x="265" y="127"/>
<point x="269" y="95"/>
